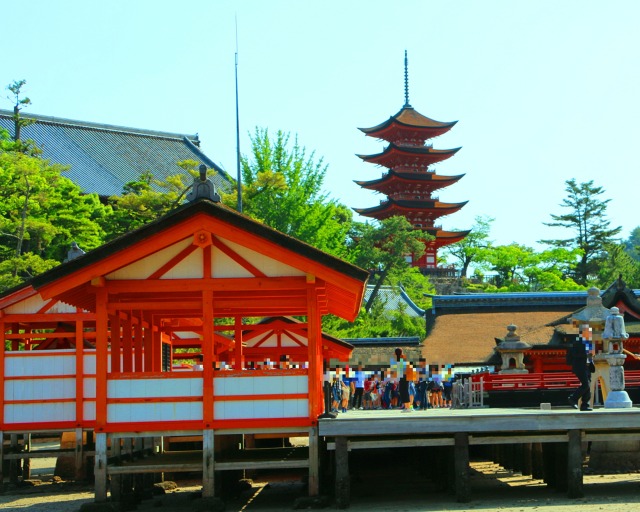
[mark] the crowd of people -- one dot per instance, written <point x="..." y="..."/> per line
<point x="401" y="386"/>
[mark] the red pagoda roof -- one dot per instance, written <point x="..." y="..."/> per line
<point x="443" y="238"/>
<point x="411" y="209"/>
<point x="408" y="124"/>
<point x="396" y="180"/>
<point x="405" y="156"/>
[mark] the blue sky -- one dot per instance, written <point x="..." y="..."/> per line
<point x="544" y="90"/>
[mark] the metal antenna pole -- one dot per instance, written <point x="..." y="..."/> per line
<point x="238" y="130"/>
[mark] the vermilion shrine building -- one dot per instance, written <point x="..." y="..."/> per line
<point x="410" y="181"/>
<point x="93" y="344"/>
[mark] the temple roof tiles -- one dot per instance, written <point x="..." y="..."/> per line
<point x="420" y="154"/>
<point x="103" y="157"/>
<point x="430" y="178"/>
<point x="391" y="205"/>
<point x="409" y="118"/>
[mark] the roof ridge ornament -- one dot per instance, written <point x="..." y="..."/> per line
<point x="406" y="81"/>
<point x="203" y="187"/>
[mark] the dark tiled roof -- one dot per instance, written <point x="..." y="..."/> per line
<point x="529" y="301"/>
<point x="523" y="301"/>
<point x="103" y="158"/>
<point x="395" y="299"/>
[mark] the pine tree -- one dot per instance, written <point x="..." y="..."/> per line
<point x="591" y="229"/>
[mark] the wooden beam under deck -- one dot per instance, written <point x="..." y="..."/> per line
<point x="461" y="428"/>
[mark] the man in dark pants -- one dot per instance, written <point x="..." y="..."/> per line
<point x="578" y="356"/>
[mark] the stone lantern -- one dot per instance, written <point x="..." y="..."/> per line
<point x="511" y="348"/>
<point x="613" y="338"/>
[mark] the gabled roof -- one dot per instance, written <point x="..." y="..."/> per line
<point x="426" y="180"/>
<point x="624" y="298"/>
<point x="409" y="122"/>
<point x="394" y="155"/>
<point x="429" y="208"/>
<point x="343" y="283"/>
<point x="103" y="158"/>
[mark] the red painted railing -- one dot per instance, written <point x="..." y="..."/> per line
<point x="534" y="381"/>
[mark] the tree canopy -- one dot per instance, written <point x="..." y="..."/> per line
<point x="586" y="219"/>
<point x="282" y="187"/>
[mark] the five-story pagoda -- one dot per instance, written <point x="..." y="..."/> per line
<point x="410" y="182"/>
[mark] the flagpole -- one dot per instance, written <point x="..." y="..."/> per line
<point x="238" y="130"/>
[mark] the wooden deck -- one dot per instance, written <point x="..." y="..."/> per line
<point x="481" y="422"/>
<point x="462" y="428"/>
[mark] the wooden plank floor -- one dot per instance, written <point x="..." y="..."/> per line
<point x="537" y="424"/>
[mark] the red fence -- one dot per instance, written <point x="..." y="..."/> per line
<point x="534" y="381"/>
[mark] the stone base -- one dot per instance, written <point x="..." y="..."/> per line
<point x="617" y="400"/>
<point x="513" y="371"/>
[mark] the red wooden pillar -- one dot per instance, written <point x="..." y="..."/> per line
<point x="3" y="326"/>
<point x="156" y="336"/>
<point x="208" y="357"/>
<point x="15" y="343"/>
<point x="116" y="342"/>
<point x="127" y="344"/>
<point x="314" y="332"/>
<point x="239" y="354"/>
<point x="102" y="339"/>
<point x="148" y="341"/>
<point x="138" y="344"/>
<point x="79" y="373"/>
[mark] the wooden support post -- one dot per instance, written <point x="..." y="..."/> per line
<point x="1" y="451"/>
<point x="461" y="457"/>
<point x="13" y="463"/>
<point x="537" y="465"/>
<point x="561" y="466"/>
<point x="343" y="483"/>
<point x="517" y="454"/>
<point x="314" y="462"/>
<point x="574" y="465"/>
<point x="549" y="464"/>
<point x="208" y="464"/>
<point x="79" y="455"/>
<point x="127" y="479"/>
<point x="116" y="480"/>
<point x="100" y="467"/>
<point x="26" y="463"/>
<point x="527" y="462"/>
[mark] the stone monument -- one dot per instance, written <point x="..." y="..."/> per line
<point x="613" y="338"/>
<point x="511" y="348"/>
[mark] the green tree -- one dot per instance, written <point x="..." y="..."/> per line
<point x="472" y="246"/>
<point x="282" y="187"/>
<point x="146" y="199"/>
<point x="509" y="263"/>
<point x="586" y="218"/>
<point x="632" y="245"/>
<point x="41" y="213"/>
<point x="520" y="268"/>
<point x="19" y="122"/>
<point x="383" y="248"/>
<point x="618" y="262"/>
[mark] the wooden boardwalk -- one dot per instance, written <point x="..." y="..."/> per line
<point x="462" y="428"/>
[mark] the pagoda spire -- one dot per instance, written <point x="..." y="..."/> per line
<point x="406" y="81"/>
<point x="410" y="180"/>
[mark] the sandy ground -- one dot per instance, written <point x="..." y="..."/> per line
<point x="493" y="488"/>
